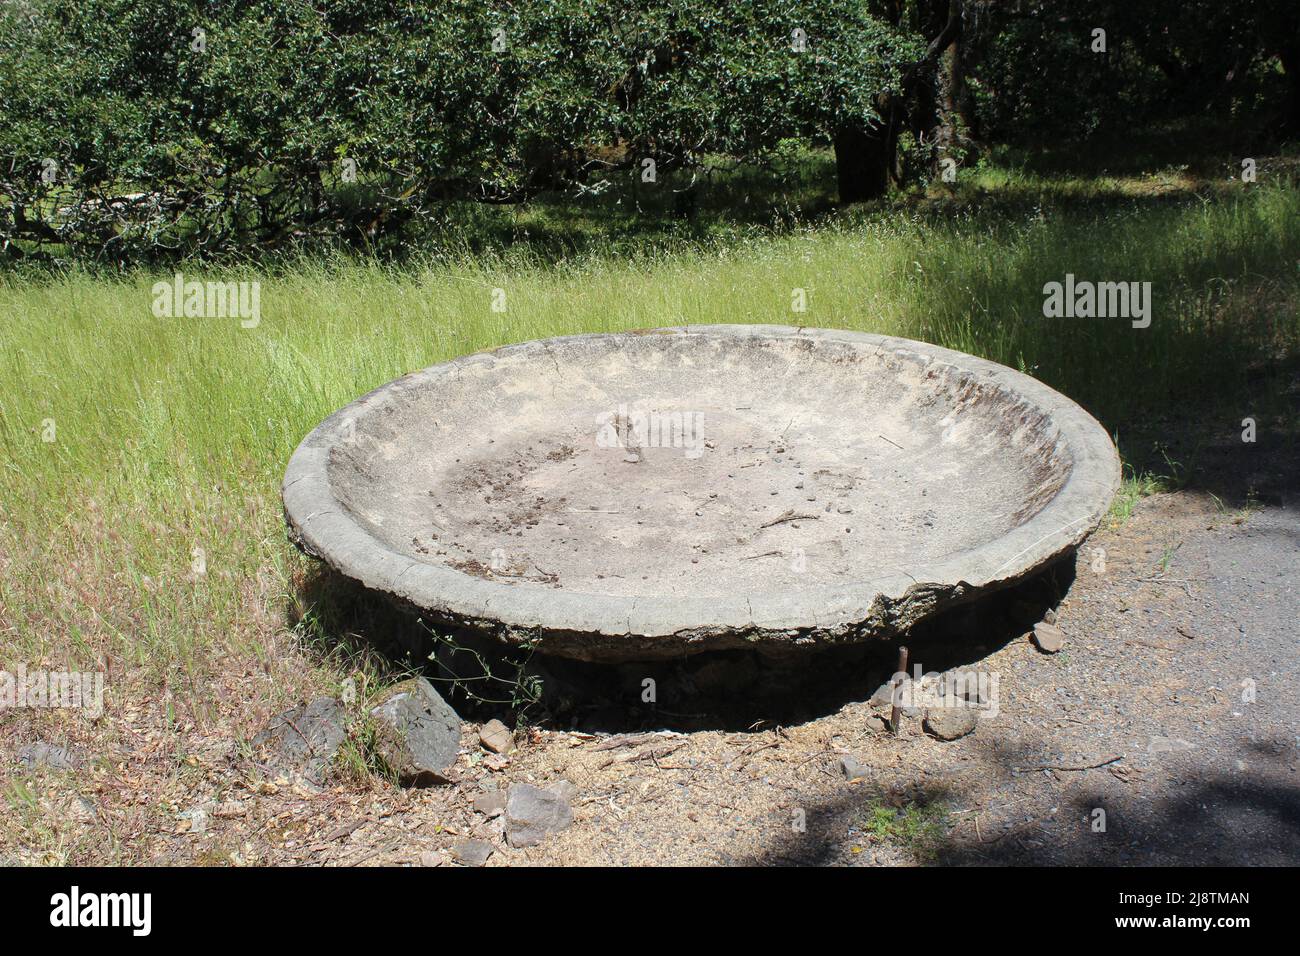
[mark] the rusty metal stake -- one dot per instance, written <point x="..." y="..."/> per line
<point x="896" y="684"/>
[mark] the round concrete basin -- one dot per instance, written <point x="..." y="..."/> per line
<point x="645" y="494"/>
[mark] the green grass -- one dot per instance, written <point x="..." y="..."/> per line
<point x="1138" y="484"/>
<point x="915" y="827"/>
<point x="172" y="434"/>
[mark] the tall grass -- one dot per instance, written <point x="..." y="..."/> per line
<point x="172" y="434"/>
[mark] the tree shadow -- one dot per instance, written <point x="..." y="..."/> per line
<point x="1221" y="820"/>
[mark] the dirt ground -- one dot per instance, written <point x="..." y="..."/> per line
<point x="1172" y="708"/>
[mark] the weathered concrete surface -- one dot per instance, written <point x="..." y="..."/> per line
<point x="797" y="486"/>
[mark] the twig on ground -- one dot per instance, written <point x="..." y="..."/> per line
<point x="631" y="740"/>
<point x="789" y="516"/>
<point x="652" y="752"/>
<point x="1091" y="766"/>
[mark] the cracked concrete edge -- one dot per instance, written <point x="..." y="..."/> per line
<point x="605" y="627"/>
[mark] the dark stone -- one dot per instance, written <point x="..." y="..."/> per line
<point x="418" y="733"/>
<point x="305" y="739"/>
<point x="42" y="754"/>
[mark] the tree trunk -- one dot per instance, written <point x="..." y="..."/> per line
<point x="1290" y="56"/>
<point x="864" y="157"/>
<point x="954" y="111"/>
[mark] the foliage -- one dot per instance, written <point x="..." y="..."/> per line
<point x="135" y="130"/>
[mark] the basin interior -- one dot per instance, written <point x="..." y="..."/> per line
<point x="695" y="465"/>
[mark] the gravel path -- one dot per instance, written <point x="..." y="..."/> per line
<point x="1189" y="671"/>
<point x="1162" y="646"/>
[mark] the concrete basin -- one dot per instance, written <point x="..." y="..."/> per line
<point x="642" y="495"/>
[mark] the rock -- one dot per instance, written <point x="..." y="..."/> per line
<point x="883" y="699"/>
<point x="949" y="723"/>
<point x="851" y="769"/>
<point x="877" y="724"/>
<point x="1048" y="637"/>
<point x="496" y="737"/>
<point x="532" y="814"/>
<point x="1169" y="745"/>
<point x="492" y="804"/>
<point x="433" y="858"/>
<point x="884" y="695"/>
<point x="418" y="733"/>
<point x="194" y="821"/>
<point x="42" y="754"/>
<point x="471" y="852"/>
<point x="565" y="790"/>
<point x="83" y="811"/>
<point x="305" y="739"/>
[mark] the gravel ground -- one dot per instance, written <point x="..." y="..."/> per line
<point x="1155" y="672"/>
<point x="1171" y="708"/>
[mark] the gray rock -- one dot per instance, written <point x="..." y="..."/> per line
<point x="471" y="852"/>
<point x="418" y="733"/>
<point x="1048" y="637"/>
<point x="492" y="804"/>
<point x="305" y="739"/>
<point x="884" y="695"/>
<point x="496" y="737"/>
<point x="43" y="754"/>
<point x="851" y="769"/>
<point x="949" y="723"/>
<point x="877" y="724"/>
<point x="532" y="814"/>
<point x="883" y="699"/>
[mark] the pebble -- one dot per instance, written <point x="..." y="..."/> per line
<point x="851" y="769"/>
<point x="1048" y="637"/>
<point x="496" y="737"/>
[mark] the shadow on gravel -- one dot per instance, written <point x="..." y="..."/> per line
<point x="1205" y="450"/>
<point x="1223" y="820"/>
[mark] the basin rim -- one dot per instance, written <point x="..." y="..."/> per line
<point x="594" y="626"/>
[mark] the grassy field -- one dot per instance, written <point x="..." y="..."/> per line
<point x="140" y="527"/>
<point x="171" y="434"/>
